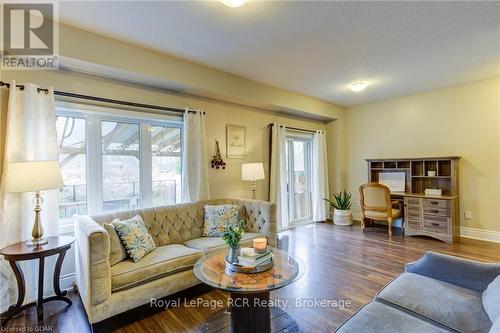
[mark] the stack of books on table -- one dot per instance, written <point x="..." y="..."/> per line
<point x="250" y="258"/>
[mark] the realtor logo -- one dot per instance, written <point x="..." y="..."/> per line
<point x="30" y="36"/>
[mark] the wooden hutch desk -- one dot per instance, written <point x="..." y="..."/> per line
<point x="427" y="215"/>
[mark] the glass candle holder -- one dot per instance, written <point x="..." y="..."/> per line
<point x="260" y="244"/>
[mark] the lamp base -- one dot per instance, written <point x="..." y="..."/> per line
<point x="37" y="242"/>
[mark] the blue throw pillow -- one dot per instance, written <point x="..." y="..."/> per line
<point x="491" y="300"/>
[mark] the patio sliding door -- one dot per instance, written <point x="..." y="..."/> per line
<point x="299" y="157"/>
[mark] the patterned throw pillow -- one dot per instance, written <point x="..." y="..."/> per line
<point x="219" y="217"/>
<point x="135" y="237"/>
<point x="117" y="252"/>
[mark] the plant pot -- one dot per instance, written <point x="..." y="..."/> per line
<point x="342" y="217"/>
<point x="232" y="256"/>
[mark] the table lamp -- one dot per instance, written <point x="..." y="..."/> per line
<point x="34" y="176"/>
<point x="252" y="172"/>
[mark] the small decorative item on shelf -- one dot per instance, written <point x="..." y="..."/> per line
<point x="232" y="237"/>
<point x="433" y="191"/>
<point x="217" y="161"/>
<point x="342" y="214"/>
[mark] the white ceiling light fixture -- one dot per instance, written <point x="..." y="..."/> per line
<point x="233" y="3"/>
<point x="358" y="86"/>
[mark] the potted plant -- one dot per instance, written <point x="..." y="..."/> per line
<point x="341" y="204"/>
<point x="232" y="237"/>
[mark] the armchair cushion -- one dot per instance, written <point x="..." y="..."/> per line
<point x="163" y="261"/>
<point x="135" y="237"/>
<point x="372" y="214"/>
<point x="441" y="302"/>
<point x="465" y="273"/>
<point x="491" y="299"/>
<point x="219" y="217"/>
<point x="376" y="317"/>
<point x="117" y="252"/>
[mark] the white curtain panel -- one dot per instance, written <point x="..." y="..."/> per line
<point x="194" y="158"/>
<point x="319" y="177"/>
<point x="278" y="176"/>
<point x="31" y="135"/>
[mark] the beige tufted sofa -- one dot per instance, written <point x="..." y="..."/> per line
<point x="108" y="290"/>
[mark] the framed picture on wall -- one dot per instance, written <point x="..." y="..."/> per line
<point x="235" y="141"/>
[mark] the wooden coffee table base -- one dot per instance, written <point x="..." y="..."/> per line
<point x="246" y="316"/>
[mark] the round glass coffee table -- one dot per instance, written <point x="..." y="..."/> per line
<point x="250" y="307"/>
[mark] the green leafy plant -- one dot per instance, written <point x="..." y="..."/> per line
<point x="341" y="200"/>
<point x="232" y="234"/>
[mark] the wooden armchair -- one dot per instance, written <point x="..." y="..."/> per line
<point x="376" y="205"/>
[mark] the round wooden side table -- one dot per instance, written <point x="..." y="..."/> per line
<point x="20" y="252"/>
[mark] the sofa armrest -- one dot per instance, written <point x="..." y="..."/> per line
<point x="465" y="273"/>
<point x="93" y="270"/>
<point x="260" y="217"/>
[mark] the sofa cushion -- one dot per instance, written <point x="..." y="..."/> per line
<point x="135" y="237"/>
<point x="163" y="261"/>
<point x="117" y="252"/>
<point x="491" y="299"/>
<point x="376" y="317"/>
<point x="455" y="307"/>
<point x="211" y="244"/>
<point x="219" y="217"/>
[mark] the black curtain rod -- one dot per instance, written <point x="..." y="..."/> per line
<point x="297" y="129"/>
<point x="104" y="100"/>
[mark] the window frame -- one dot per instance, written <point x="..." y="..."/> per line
<point x="94" y="115"/>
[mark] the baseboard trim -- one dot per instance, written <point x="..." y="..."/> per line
<point x="67" y="281"/>
<point x="465" y="232"/>
<point x="480" y="234"/>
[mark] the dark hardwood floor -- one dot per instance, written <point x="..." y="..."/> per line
<point x="343" y="264"/>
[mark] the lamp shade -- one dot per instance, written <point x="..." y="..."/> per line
<point x="252" y="171"/>
<point x="33" y="176"/>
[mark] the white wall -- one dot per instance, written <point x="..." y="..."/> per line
<point x="462" y="120"/>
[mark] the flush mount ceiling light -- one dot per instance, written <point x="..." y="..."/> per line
<point x="233" y="3"/>
<point x="358" y="86"/>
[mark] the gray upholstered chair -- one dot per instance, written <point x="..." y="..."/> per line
<point x="436" y="294"/>
<point x="376" y="205"/>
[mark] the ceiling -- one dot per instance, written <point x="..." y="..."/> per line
<point x="314" y="48"/>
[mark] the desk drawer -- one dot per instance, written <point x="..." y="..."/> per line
<point x="413" y="201"/>
<point x="413" y="207"/>
<point x="413" y="224"/>
<point x="414" y="214"/>
<point x="436" y="203"/>
<point x="436" y="211"/>
<point x="436" y="223"/>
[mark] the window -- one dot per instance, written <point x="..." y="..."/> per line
<point x="120" y="166"/>
<point x="72" y="154"/>
<point x="166" y="164"/>
<point x="112" y="162"/>
<point x="298" y="155"/>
